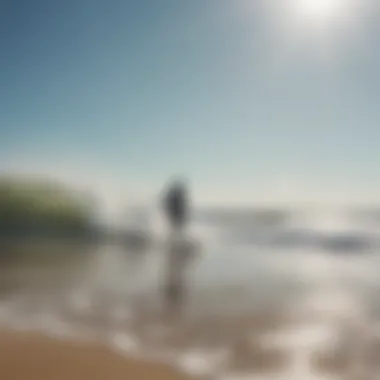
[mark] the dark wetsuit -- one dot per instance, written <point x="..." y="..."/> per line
<point x="176" y="207"/>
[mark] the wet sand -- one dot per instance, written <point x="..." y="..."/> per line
<point x="31" y="355"/>
<point x="36" y="357"/>
<point x="261" y="325"/>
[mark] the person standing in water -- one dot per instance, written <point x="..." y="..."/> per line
<point x="176" y="208"/>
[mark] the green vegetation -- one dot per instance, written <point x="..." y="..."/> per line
<point x="42" y="208"/>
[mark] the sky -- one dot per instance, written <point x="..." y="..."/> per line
<point x="254" y="102"/>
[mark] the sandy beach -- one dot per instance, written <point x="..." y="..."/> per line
<point x="248" y="314"/>
<point x="32" y="356"/>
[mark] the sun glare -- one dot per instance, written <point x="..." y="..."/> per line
<point x="319" y="10"/>
<point x="319" y="23"/>
<point x="322" y="30"/>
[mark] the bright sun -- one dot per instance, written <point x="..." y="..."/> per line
<point x="319" y="11"/>
<point x="319" y="8"/>
<point x="323" y="27"/>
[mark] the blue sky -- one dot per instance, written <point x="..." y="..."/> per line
<point x="124" y="94"/>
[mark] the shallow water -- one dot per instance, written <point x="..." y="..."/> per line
<point x="250" y="307"/>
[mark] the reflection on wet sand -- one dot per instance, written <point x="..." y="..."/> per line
<point x="111" y="294"/>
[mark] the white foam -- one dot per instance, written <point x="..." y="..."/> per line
<point x="202" y="363"/>
<point x="302" y="342"/>
<point x="330" y="302"/>
<point x="46" y="323"/>
<point x="242" y="376"/>
<point x="54" y="326"/>
<point x="302" y="337"/>
<point x="288" y="375"/>
<point x="124" y="343"/>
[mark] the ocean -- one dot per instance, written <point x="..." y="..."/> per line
<point x="276" y="294"/>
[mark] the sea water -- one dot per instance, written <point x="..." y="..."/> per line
<point x="311" y="276"/>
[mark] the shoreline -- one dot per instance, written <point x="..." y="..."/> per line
<point x="30" y="355"/>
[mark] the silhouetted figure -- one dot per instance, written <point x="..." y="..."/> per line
<point x="176" y="206"/>
<point x="178" y="251"/>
